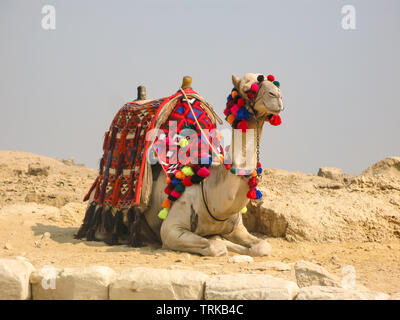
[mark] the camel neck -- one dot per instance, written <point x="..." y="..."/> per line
<point x="244" y="146"/>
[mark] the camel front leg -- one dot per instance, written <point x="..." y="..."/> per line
<point x="256" y="246"/>
<point x="176" y="236"/>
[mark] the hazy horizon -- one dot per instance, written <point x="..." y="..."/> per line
<point x="60" y="89"/>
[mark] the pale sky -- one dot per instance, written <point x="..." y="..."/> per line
<point x="60" y="89"/>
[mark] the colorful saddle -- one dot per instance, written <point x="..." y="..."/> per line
<point x="141" y="132"/>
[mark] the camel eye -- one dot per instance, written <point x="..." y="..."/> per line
<point x="271" y="94"/>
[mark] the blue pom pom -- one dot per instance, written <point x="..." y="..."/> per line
<point x="259" y="194"/>
<point x="229" y="98"/>
<point x="176" y="181"/>
<point x="259" y="170"/>
<point x="243" y="114"/>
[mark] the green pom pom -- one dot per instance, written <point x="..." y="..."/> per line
<point x="233" y="170"/>
<point x="187" y="171"/>
<point x="183" y="143"/>
<point x="180" y="188"/>
<point x="163" y="214"/>
<point x="244" y="210"/>
<point x="277" y="83"/>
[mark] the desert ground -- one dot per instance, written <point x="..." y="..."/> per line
<point x="330" y="218"/>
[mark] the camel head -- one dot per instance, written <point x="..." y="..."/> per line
<point x="267" y="100"/>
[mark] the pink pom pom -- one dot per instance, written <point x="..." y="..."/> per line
<point x="175" y="194"/>
<point x="235" y="109"/>
<point x="203" y="172"/>
<point x="242" y="172"/>
<point x="254" y="87"/>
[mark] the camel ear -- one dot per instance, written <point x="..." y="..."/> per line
<point x="235" y="81"/>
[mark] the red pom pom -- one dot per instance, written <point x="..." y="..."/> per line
<point x="271" y="77"/>
<point x="258" y="164"/>
<point x="203" y="172"/>
<point x="240" y="102"/>
<point x="228" y="166"/>
<point x="243" y="125"/>
<point x="275" y="120"/>
<point x="252" y="194"/>
<point x="167" y="190"/>
<point x="251" y="95"/>
<point x="187" y="182"/>
<point x="226" y="111"/>
<point x="253" y="182"/>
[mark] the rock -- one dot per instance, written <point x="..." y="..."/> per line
<point x="387" y="167"/>
<point x="46" y="236"/>
<point x="158" y="284"/>
<point x="330" y="173"/>
<point x="249" y="287"/>
<point x="305" y="207"/>
<point x="334" y="293"/>
<point x="87" y="283"/>
<point x="240" y="259"/>
<point x="14" y="279"/>
<point x="276" y="265"/>
<point x="177" y="267"/>
<point x="310" y="274"/>
<point x="58" y="199"/>
<point x="68" y="162"/>
<point x="36" y="169"/>
<point x="395" y="296"/>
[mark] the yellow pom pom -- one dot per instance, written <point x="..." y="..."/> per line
<point x="163" y="214"/>
<point x="244" y="210"/>
<point x="187" y="171"/>
<point x="183" y="143"/>
<point x="234" y="94"/>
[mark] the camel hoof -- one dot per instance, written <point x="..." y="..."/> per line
<point x="218" y="248"/>
<point x="262" y="248"/>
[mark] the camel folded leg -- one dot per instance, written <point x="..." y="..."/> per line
<point x="254" y="245"/>
<point x="178" y="237"/>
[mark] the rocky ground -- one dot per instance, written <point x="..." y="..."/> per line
<point x="331" y="219"/>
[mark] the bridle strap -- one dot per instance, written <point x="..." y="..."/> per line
<point x="205" y="203"/>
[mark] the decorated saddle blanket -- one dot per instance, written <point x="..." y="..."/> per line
<point x="143" y="133"/>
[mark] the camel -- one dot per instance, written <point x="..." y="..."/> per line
<point x="207" y="218"/>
